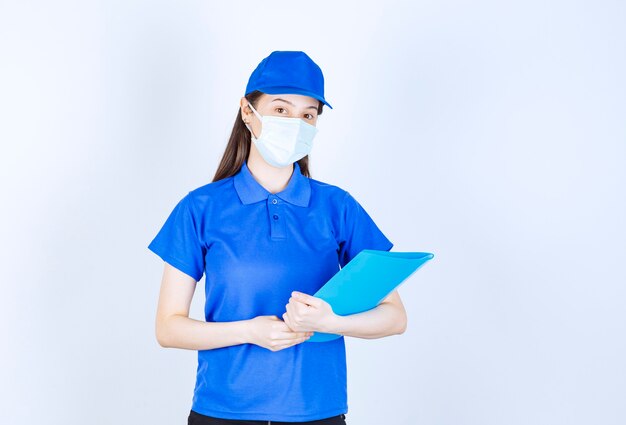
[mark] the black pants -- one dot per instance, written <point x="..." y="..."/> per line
<point x="196" y="418"/>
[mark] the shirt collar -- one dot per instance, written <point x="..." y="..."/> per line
<point x="297" y="192"/>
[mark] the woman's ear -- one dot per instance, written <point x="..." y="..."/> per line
<point x="246" y="112"/>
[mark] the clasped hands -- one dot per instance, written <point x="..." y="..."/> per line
<point x="308" y="313"/>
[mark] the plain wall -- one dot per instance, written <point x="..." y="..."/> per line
<point x="492" y="134"/>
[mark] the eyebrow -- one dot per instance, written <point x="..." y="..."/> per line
<point x="286" y="101"/>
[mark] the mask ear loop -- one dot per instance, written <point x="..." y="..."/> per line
<point x="259" y="116"/>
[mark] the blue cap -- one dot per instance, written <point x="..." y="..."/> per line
<point x="284" y="72"/>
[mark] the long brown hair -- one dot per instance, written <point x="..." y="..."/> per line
<point x="238" y="147"/>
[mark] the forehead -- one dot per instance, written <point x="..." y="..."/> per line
<point x="294" y="99"/>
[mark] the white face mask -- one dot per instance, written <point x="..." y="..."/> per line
<point x="283" y="140"/>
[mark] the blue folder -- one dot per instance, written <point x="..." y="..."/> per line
<point x="367" y="280"/>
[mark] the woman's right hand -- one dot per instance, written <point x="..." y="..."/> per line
<point x="272" y="333"/>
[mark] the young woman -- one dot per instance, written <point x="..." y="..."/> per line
<point x="267" y="236"/>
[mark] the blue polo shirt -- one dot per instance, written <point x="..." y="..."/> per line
<point x="255" y="248"/>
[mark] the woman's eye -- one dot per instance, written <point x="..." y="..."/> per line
<point x="280" y="110"/>
<point x="308" y="116"/>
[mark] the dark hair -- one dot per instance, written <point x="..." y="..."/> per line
<point x="238" y="147"/>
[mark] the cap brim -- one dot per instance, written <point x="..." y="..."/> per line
<point x="292" y="90"/>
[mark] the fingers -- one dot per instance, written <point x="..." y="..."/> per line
<point x="287" y="338"/>
<point x="283" y="331"/>
<point x="280" y="335"/>
<point x="288" y="322"/>
<point x="277" y="345"/>
<point x="290" y="335"/>
<point x="292" y="311"/>
<point x="305" y="298"/>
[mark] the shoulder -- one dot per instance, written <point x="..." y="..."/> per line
<point x="200" y="198"/>
<point x="328" y="192"/>
<point x="336" y="195"/>
<point x="338" y="198"/>
<point x="213" y="188"/>
<point x="327" y="189"/>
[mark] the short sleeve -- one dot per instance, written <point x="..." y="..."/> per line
<point x="178" y="244"/>
<point x="358" y="232"/>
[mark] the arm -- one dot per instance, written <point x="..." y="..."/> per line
<point x="387" y="318"/>
<point x="175" y="329"/>
<point x="305" y="312"/>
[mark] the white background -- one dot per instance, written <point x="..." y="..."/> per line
<point x="490" y="133"/>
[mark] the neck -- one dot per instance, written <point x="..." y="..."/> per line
<point x="273" y="179"/>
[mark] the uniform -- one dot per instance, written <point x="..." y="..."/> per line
<point x="255" y="248"/>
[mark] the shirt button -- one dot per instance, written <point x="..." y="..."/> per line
<point x="274" y="201"/>
<point x="275" y="217"/>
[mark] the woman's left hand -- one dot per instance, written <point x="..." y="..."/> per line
<point x="308" y="313"/>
